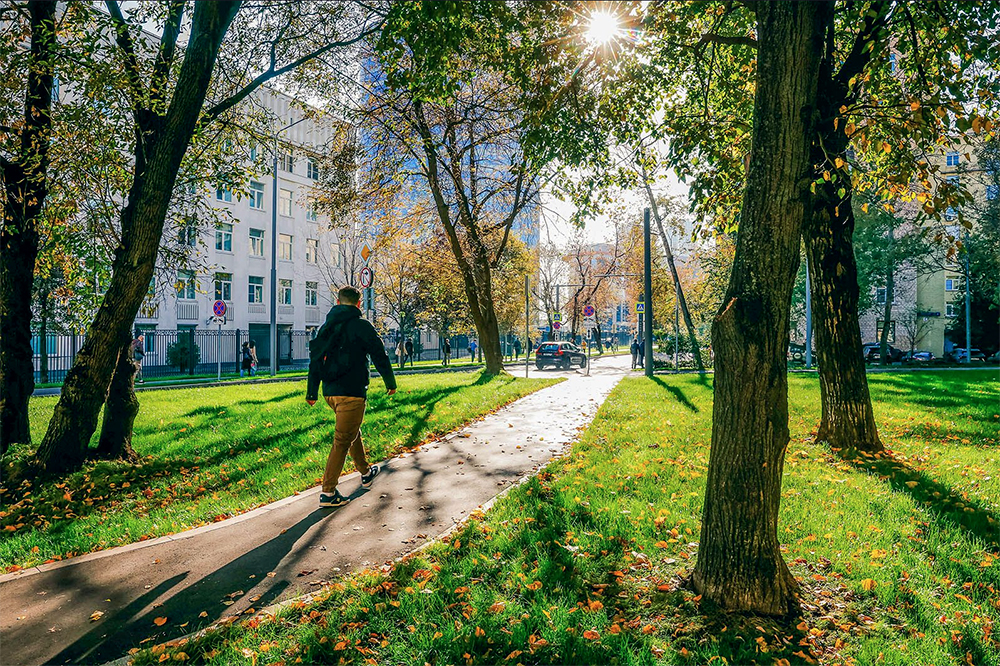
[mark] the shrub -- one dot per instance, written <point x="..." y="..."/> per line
<point x="183" y="354"/>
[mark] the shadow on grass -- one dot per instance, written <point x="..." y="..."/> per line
<point x="678" y="394"/>
<point x="967" y="514"/>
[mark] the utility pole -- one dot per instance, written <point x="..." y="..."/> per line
<point x="527" y="326"/>
<point x="968" y="299"/>
<point x="809" y="319"/>
<point x="648" y="290"/>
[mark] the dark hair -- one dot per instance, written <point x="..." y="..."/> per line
<point x="349" y="296"/>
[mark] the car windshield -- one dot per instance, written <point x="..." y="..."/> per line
<point x="548" y="346"/>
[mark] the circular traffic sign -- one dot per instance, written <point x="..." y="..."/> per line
<point x="367" y="277"/>
<point x="588" y="311"/>
<point x="556" y="325"/>
<point x="219" y="308"/>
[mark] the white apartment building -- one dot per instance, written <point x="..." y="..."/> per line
<point x="234" y="258"/>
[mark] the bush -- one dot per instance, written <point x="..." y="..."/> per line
<point x="183" y="354"/>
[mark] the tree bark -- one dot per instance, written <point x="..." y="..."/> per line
<point x="685" y="313"/>
<point x="120" y="409"/>
<point x="159" y="151"/>
<point x="739" y="565"/>
<point x="25" y="189"/>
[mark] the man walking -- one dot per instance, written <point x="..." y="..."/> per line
<point x="409" y="350"/>
<point x="138" y="354"/>
<point x="635" y="352"/>
<point x="446" y="348"/>
<point x="642" y="353"/>
<point x="338" y="357"/>
<point x="517" y="348"/>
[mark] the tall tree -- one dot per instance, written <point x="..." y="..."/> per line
<point x="739" y="557"/>
<point x="25" y="189"/>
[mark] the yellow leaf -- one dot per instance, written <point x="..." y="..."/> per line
<point x="96" y="615"/>
<point x="886" y="147"/>
<point x="595" y="605"/>
<point x="160" y="621"/>
<point x="868" y="584"/>
<point x="839" y="163"/>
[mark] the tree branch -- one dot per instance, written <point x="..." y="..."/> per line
<point x="165" y="56"/>
<point x="860" y="55"/>
<point x="124" y="41"/>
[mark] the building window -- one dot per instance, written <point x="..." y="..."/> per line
<point x="224" y="237"/>
<point x="312" y="251"/>
<point x="950" y="214"/>
<point x="953" y="181"/>
<point x="950" y="310"/>
<point x="311" y="214"/>
<point x="253" y="153"/>
<point x="285" y="202"/>
<point x="335" y="254"/>
<point x="223" y="193"/>
<point x="992" y="192"/>
<point x="892" y="63"/>
<point x="187" y="232"/>
<point x="223" y="286"/>
<point x="256" y="195"/>
<point x="285" y="292"/>
<point x="187" y="286"/>
<point x="891" y="338"/>
<point x="284" y="247"/>
<point x="256" y="242"/>
<point x="255" y="290"/>
<point x="312" y="170"/>
<point x="880" y="296"/>
<point x="951" y="159"/>
<point x="951" y="284"/>
<point x="312" y="293"/>
<point x="286" y="161"/>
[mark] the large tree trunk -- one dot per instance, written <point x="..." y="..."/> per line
<point x="739" y="565"/>
<point x="164" y="142"/>
<point x="120" y="409"/>
<point x="25" y="189"/>
<point x="688" y="323"/>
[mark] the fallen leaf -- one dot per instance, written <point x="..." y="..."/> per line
<point x="160" y="621"/>
<point x="590" y="634"/>
<point x="96" y="615"/>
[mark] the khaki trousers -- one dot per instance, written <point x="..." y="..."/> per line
<point x="350" y="413"/>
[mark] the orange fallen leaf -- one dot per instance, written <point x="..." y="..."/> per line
<point x="590" y="634"/>
<point x="160" y="621"/>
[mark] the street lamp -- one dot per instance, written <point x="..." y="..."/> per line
<point x="274" y="249"/>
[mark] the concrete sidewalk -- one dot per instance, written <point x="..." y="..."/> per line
<point x="289" y="547"/>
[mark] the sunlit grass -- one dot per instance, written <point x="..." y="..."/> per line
<point x="210" y="453"/>
<point x="586" y="563"/>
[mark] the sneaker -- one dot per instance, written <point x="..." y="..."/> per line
<point x="366" y="479"/>
<point x="332" y="500"/>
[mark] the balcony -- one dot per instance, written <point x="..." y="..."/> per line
<point x="187" y="310"/>
<point x="149" y="310"/>
<point x="288" y="310"/>
<point x="313" y="315"/>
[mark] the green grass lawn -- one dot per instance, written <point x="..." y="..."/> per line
<point x="586" y="563"/>
<point x="210" y="453"/>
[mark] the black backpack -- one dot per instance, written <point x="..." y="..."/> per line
<point x="336" y="358"/>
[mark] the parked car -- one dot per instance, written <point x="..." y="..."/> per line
<point x="797" y="353"/>
<point x="995" y="359"/>
<point x="873" y="353"/>
<point x="918" y="357"/>
<point x="559" y="354"/>
<point x="959" y="355"/>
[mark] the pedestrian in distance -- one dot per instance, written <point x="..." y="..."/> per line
<point x="246" y="361"/>
<point x="517" y="348"/>
<point x="642" y="353"/>
<point x="253" y="358"/>
<point x="472" y="351"/>
<point x="401" y="354"/>
<point x="338" y="358"/>
<point x="138" y="354"/>
<point x="635" y="352"/>
<point x="409" y="350"/>
<point x="446" y="350"/>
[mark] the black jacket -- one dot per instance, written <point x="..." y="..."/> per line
<point x="362" y="341"/>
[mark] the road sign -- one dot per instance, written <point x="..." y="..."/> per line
<point x="557" y="317"/>
<point x="366" y="252"/>
<point x="367" y="277"/>
<point x="556" y="325"/>
<point x="219" y="308"/>
<point x="640" y="307"/>
<point x="588" y="311"/>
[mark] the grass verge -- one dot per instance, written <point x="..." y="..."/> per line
<point x="211" y="453"/>
<point x="586" y="563"/>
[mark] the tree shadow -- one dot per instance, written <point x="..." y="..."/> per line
<point x="967" y="514"/>
<point x="183" y="607"/>
<point x="678" y="394"/>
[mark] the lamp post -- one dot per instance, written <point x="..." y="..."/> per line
<point x="273" y="352"/>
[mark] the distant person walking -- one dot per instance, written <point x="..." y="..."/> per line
<point x="138" y="354"/>
<point x="246" y="360"/>
<point x="253" y="358"/>
<point x="409" y="350"/>
<point x="517" y="348"/>
<point x="472" y="351"/>
<point x="401" y="354"/>
<point x="642" y="353"/>
<point x="635" y="352"/>
<point x="338" y="357"/>
<point x="446" y="350"/>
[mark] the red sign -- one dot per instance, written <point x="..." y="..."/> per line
<point x="219" y="308"/>
<point x="367" y="277"/>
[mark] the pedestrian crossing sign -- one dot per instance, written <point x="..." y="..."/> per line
<point x="640" y="307"/>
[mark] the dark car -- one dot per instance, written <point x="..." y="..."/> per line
<point x="959" y="355"/>
<point x="797" y="353"/>
<point x="918" y="357"/>
<point x="873" y="353"/>
<point x="560" y="354"/>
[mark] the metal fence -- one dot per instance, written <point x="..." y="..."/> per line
<point x="170" y="353"/>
